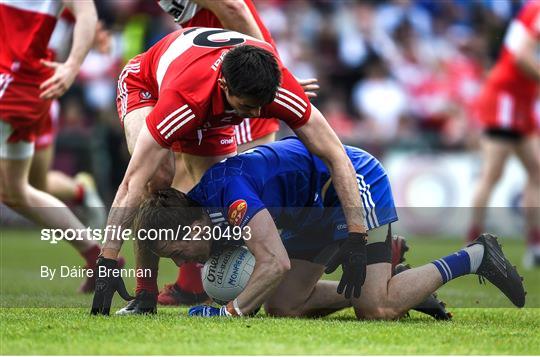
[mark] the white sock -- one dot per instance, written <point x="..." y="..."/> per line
<point x="476" y="253"/>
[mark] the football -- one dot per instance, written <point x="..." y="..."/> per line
<point x="225" y="275"/>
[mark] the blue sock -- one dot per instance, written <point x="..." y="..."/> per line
<point x="453" y="265"/>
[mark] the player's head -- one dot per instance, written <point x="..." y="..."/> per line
<point x="164" y="225"/>
<point x="251" y="77"/>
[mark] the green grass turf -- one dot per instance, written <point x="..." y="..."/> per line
<point x="46" y="317"/>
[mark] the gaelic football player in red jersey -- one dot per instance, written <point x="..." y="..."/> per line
<point x="191" y="87"/>
<point x="240" y="16"/>
<point x="506" y="111"/>
<point x="80" y="189"/>
<point x="29" y="81"/>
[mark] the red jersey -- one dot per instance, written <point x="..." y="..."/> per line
<point x="26" y="27"/>
<point x="506" y="74"/>
<point x="183" y="68"/>
<point x="507" y="99"/>
<point x="189" y="14"/>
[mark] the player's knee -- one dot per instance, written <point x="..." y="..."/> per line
<point x="378" y="313"/>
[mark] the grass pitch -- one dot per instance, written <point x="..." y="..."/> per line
<point x="38" y="316"/>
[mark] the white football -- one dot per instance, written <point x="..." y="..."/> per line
<point x="225" y="275"/>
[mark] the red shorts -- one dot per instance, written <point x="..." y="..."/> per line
<point x="21" y="107"/>
<point x="134" y="92"/>
<point x="47" y="133"/>
<point x="498" y="108"/>
<point x="252" y="129"/>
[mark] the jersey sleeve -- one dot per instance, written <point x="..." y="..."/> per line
<point x="530" y="18"/>
<point x="291" y="104"/>
<point x="241" y="201"/>
<point x="171" y="118"/>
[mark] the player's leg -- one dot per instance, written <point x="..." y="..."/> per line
<point x="40" y="207"/>
<point x="302" y="294"/>
<point x="495" y="152"/>
<point x="133" y="122"/>
<point x="190" y="166"/>
<point x="41" y="162"/>
<point x="56" y="183"/>
<point x="18" y="194"/>
<point x="188" y="288"/>
<point x="64" y="187"/>
<point x="182" y="180"/>
<point x="388" y="297"/>
<point x="528" y="153"/>
<point x="81" y="189"/>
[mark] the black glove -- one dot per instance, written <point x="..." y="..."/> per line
<point x="353" y="258"/>
<point x="106" y="285"/>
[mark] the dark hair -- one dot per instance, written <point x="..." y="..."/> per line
<point x="251" y="72"/>
<point x="166" y="209"/>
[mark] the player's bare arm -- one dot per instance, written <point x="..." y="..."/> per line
<point x="145" y="161"/>
<point x="272" y="262"/>
<point x="322" y="141"/>
<point x="83" y="38"/>
<point x="233" y="15"/>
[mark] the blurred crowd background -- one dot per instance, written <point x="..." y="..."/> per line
<point x="394" y="75"/>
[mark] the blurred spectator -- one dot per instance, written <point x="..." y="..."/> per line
<point x="381" y="101"/>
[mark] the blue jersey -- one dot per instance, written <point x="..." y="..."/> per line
<point x="294" y="186"/>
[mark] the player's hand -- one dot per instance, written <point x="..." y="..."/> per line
<point x="309" y="86"/>
<point x="353" y="259"/>
<point x="106" y="285"/>
<point x="60" y="81"/>
<point x="208" y="311"/>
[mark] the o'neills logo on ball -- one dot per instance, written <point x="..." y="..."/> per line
<point x="237" y="211"/>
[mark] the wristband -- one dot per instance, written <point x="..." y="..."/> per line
<point x="232" y="308"/>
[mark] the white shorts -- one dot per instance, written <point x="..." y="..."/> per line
<point x="19" y="150"/>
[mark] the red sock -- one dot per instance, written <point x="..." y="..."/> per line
<point x="473" y="233"/>
<point x="189" y="278"/>
<point x="533" y="239"/>
<point x="148" y="283"/>
<point x="90" y="256"/>
<point x="79" y="193"/>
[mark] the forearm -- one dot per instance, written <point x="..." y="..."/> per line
<point x="83" y="32"/>
<point x="265" y="278"/>
<point x="234" y="15"/>
<point x="123" y="209"/>
<point x="321" y="140"/>
<point x="346" y="186"/>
